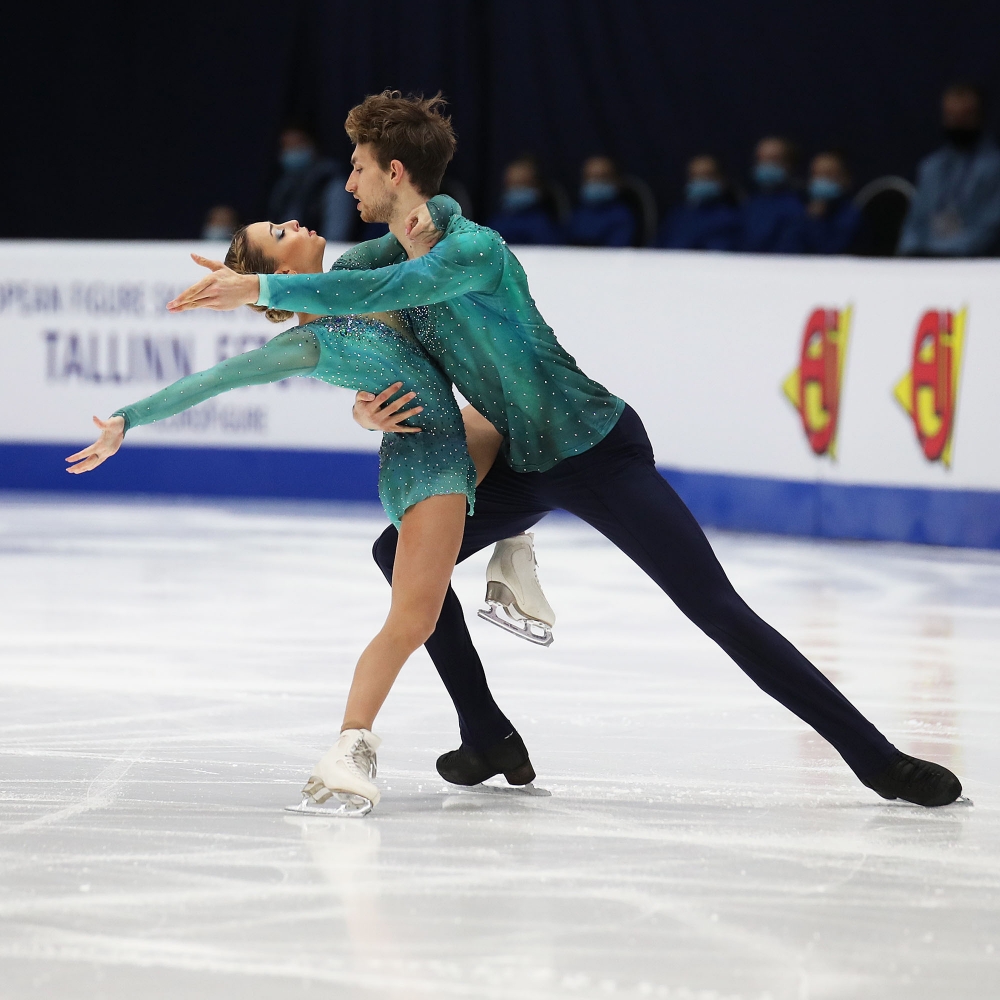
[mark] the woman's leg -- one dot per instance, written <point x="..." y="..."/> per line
<point x="430" y="536"/>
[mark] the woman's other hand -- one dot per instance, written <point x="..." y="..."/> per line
<point x="420" y="227"/>
<point x="376" y="413"/>
<point x="222" y="289"/>
<point x="112" y="435"/>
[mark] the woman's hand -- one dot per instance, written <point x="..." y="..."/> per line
<point x="112" y="435"/>
<point x="376" y="413"/>
<point x="222" y="289"/>
<point x="420" y="228"/>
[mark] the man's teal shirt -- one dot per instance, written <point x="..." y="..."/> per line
<point x="470" y="308"/>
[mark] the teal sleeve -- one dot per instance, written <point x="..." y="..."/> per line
<point x="463" y="262"/>
<point x="386" y="251"/>
<point x="294" y="352"/>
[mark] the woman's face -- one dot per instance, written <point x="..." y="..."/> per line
<point x="292" y="247"/>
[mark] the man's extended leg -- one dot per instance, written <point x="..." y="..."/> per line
<point x="616" y="488"/>
<point x="505" y="506"/>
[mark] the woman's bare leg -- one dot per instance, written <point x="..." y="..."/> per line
<point x="430" y="536"/>
<point x="482" y="439"/>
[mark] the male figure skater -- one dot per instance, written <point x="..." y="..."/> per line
<point x="568" y="443"/>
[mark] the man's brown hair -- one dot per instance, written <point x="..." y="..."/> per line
<point x="413" y="130"/>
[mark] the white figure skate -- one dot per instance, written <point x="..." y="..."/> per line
<point x="341" y="783"/>
<point x="514" y="595"/>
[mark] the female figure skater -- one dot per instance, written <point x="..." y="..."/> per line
<point x="427" y="476"/>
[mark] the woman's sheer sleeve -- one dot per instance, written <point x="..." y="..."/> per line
<point x="293" y="352"/>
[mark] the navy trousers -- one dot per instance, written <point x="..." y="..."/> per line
<point x="616" y="488"/>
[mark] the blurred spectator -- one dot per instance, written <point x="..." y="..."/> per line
<point x="601" y="219"/>
<point x="832" y="222"/>
<point x="310" y="189"/>
<point x="708" y="219"/>
<point x="522" y="217"/>
<point x="772" y="217"/>
<point x="956" y="210"/>
<point x="220" y="223"/>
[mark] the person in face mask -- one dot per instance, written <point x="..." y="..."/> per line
<point x="771" y="218"/>
<point x="601" y="219"/>
<point x="220" y="223"/>
<point x="709" y="218"/>
<point x="832" y="222"/>
<point x="310" y="189"/>
<point x="956" y="210"/>
<point x="523" y="217"/>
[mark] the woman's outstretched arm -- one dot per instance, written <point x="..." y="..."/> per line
<point x="293" y="352"/>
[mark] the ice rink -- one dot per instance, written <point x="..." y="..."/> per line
<point x="170" y="672"/>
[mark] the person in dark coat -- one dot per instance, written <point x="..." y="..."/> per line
<point x="771" y="218"/>
<point x="522" y="217"/>
<point x="708" y="219"/>
<point x="832" y="222"/>
<point x="602" y="219"/>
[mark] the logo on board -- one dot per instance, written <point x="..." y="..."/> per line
<point x="929" y="390"/>
<point x="814" y="387"/>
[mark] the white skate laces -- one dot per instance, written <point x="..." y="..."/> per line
<point x="341" y="783"/>
<point x="514" y="597"/>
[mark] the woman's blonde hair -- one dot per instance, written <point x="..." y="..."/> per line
<point x="244" y="258"/>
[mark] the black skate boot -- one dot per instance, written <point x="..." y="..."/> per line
<point x="466" y="766"/>
<point x="915" y="780"/>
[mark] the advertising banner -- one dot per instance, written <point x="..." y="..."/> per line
<point x="774" y="388"/>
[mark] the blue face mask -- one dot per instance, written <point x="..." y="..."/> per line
<point x="296" y="159"/>
<point x="517" y="199"/>
<point x="701" y="190"/>
<point x="598" y="192"/>
<point x="217" y="233"/>
<point x="823" y="189"/>
<point x="770" y="175"/>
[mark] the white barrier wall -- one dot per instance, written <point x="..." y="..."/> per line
<point x="711" y="349"/>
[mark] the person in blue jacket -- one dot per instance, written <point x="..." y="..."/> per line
<point x="771" y="218"/>
<point x="708" y="219"/>
<point x="523" y="217"/>
<point x="602" y="219"/>
<point x="832" y="221"/>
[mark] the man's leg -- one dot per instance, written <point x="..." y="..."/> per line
<point x="616" y="488"/>
<point x="505" y="506"/>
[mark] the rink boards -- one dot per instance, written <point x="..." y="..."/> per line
<point x="834" y="397"/>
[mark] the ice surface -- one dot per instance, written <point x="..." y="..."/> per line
<point x="170" y="672"/>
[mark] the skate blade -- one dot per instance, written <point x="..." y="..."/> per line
<point x="528" y="789"/>
<point x="524" y="628"/>
<point x="962" y="800"/>
<point x="336" y="807"/>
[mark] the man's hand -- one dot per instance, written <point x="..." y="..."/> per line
<point x="376" y="413"/>
<point x="420" y="228"/>
<point x="222" y="289"/>
<point x="112" y="435"/>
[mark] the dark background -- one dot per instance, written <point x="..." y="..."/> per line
<point x="129" y="121"/>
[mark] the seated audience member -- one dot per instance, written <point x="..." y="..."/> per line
<point x="522" y="217"/>
<point x="601" y="219"/>
<point x="956" y="210"/>
<point x="220" y="223"/>
<point x="771" y="218"/>
<point x="708" y="219"/>
<point x="832" y="221"/>
<point x="310" y="189"/>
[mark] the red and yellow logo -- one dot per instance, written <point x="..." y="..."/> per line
<point x="814" y="387"/>
<point x="929" y="390"/>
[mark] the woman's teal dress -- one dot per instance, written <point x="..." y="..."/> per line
<point x="360" y="353"/>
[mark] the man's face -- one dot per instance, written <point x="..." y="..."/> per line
<point x="599" y="168"/>
<point x="520" y="174"/>
<point x="371" y="186"/>
<point x="828" y="168"/>
<point x="960" y="109"/>
<point x="704" y="168"/>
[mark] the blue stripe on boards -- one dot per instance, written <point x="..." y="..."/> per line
<point x="968" y="518"/>
<point x="220" y="472"/>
